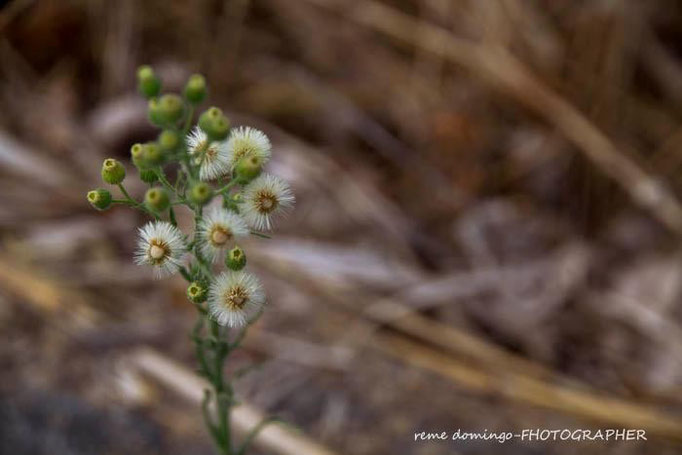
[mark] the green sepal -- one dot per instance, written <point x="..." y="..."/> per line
<point x="148" y="175"/>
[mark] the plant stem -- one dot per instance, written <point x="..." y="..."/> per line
<point x="133" y="203"/>
<point x="164" y="181"/>
<point x="227" y="187"/>
<point x="260" y="234"/>
<point x="211" y="352"/>
<point x="188" y="120"/>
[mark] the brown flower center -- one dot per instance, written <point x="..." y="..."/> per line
<point x="266" y="202"/>
<point x="211" y="153"/>
<point x="235" y="298"/>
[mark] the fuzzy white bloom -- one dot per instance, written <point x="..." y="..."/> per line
<point x="218" y="231"/>
<point x="246" y="141"/>
<point x="162" y="246"/>
<point x="234" y="298"/>
<point x="213" y="157"/>
<point x="265" y="199"/>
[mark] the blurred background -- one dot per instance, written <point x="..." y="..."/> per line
<point x="487" y="233"/>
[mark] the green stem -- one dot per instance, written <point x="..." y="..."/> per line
<point x="260" y="234"/>
<point x="227" y="187"/>
<point x="125" y="193"/>
<point x="185" y="274"/>
<point x="164" y="181"/>
<point x="211" y="353"/>
<point x="133" y="203"/>
<point x="188" y="120"/>
<point x="123" y="201"/>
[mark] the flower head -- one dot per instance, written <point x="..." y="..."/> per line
<point x="162" y="246"/>
<point x="265" y="199"/>
<point x="218" y="230"/>
<point x="213" y="157"/>
<point x="234" y="298"/>
<point x="247" y="142"/>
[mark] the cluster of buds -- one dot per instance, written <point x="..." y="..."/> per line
<point x="219" y="176"/>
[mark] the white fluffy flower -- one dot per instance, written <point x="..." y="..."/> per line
<point x="213" y="157"/>
<point x="234" y="298"/>
<point x="246" y="141"/>
<point x="265" y="199"/>
<point x="218" y="230"/>
<point x="162" y="246"/>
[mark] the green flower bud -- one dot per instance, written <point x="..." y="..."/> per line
<point x="153" y="111"/>
<point x="168" y="140"/>
<point x="165" y="110"/>
<point x="148" y="175"/>
<point x="147" y="83"/>
<point x="201" y="193"/>
<point x="136" y="152"/>
<point x="196" y="292"/>
<point x="157" y="199"/>
<point x="147" y="155"/>
<point x="99" y="198"/>
<point x="235" y="259"/>
<point x="195" y="90"/>
<point x="248" y="168"/>
<point x="214" y="124"/>
<point x="113" y="171"/>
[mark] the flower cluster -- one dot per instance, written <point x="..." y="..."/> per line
<point x="218" y="175"/>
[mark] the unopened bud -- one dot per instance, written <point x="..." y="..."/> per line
<point x="99" y="198"/>
<point x="147" y="155"/>
<point x="166" y="109"/>
<point x="196" y="292"/>
<point x="136" y="151"/>
<point x="201" y="193"/>
<point x="147" y="83"/>
<point x="195" y="90"/>
<point x="214" y="124"/>
<point x="168" y="140"/>
<point x="113" y="171"/>
<point x="248" y="168"/>
<point x="157" y="199"/>
<point x="235" y="259"/>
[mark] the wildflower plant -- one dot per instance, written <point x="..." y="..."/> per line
<point x="218" y="175"/>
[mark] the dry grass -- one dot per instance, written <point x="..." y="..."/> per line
<point x="488" y="227"/>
